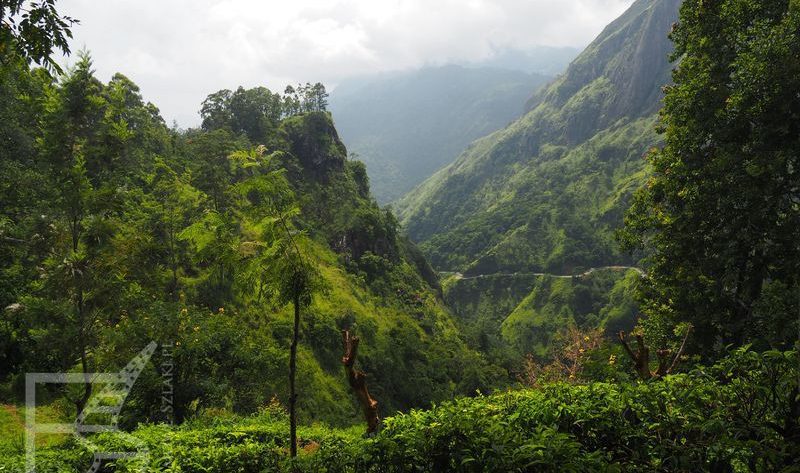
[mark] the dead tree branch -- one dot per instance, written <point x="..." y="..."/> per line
<point x="358" y="382"/>
<point x="641" y="357"/>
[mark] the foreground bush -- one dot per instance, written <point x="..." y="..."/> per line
<point x="740" y="415"/>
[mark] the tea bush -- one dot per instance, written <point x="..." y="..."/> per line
<point x="740" y="415"/>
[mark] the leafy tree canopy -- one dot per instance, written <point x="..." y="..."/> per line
<point x="720" y="216"/>
<point x="34" y="31"/>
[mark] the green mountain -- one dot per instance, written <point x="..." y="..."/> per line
<point x="406" y="125"/>
<point x="547" y="192"/>
<point x="526" y="207"/>
<point x="508" y="316"/>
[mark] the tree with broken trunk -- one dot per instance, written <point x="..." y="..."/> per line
<point x="668" y="359"/>
<point x="358" y="381"/>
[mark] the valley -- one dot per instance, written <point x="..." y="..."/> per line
<point x="526" y="260"/>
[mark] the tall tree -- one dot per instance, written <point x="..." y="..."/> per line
<point x="70" y="139"/>
<point x="283" y="261"/>
<point x="291" y="101"/>
<point x="720" y="216"/>
<point x="255" y="112"/>
<point x="216" y="110"/>
<point x="22" y="189"/>
<point x="211" y="168"/>
<point x="319" y="97"/>
<point x="173" y="204"/>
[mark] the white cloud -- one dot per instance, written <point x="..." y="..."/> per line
<point x="178" y="51"/>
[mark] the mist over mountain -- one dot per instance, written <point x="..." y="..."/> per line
<point x="547" y="60"/>
<point x="406" y="125"/>
<point x="524" y="208"/>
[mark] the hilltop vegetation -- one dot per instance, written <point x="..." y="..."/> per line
<point x="117" y="231"/>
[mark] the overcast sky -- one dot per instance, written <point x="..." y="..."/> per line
<point x="178" y="51"/>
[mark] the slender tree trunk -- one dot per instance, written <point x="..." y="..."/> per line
<point x="641" y="358"/>
<point x="80" y="403"/>
<point x="292" y="376"/>
<point x="173" y="261"/>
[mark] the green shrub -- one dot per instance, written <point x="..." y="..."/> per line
<point x="740" y="415"/>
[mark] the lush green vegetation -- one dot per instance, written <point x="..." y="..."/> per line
<point x="34" y="31"/>
<point x="718" y="218"/>
<point x="117" y="230"/>
<point x="231" y="243"/>
<point x="547" y="192"/>
<point x="599" y="300"/>
<point x="738" y="415"/>
<point x="508" y="316"/>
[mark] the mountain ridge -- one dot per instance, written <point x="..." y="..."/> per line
<point x="577" y="150"/>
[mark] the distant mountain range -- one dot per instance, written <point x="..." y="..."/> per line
<point x="406" y="125"/>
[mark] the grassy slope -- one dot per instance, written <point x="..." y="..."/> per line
<point x="394" y="333"/>
<point x="508" y="316"/>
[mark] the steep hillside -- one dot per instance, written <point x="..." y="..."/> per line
<point x="508" y="316"/>
<point x="186" y="238"/>
<point x="406" y="125"/>
<point x="377" y="283"/>
<point x="547" y="192"/>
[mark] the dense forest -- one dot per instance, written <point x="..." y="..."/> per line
<point x="609" y="283"/>
<point x="145" y="233"/>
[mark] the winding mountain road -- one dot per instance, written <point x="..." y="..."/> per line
<point x="589" y="271"/>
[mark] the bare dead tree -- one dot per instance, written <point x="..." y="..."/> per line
<point x="641" y="357"/>
<point x="358" y="382"/>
